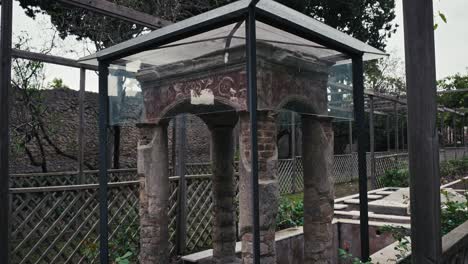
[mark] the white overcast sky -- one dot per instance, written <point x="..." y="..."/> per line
<point x="451" y="42"/>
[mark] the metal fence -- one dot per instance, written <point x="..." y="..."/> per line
<point x="54" y="220"/>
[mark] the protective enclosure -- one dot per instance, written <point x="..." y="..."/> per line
<point x="290" y="68"/>
<point x="213" y="66"/>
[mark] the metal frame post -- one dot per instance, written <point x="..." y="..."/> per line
<point x="454" y="130"/>
<point x="423" y="147"/>
<point x="387" y="131"/>
<point x="81" y="127"/>
<point x="103" y="162"/>
<point x="464" y="134"/>
<point x="182" y="195"/>
<point x="358" y="98"/>
<point x="397" y="130"/>
<point x="372" y="141"/>
<point x="5" y="84"/>
<point x="293" y="151"/>
<point x="351" y="156"/>
<point x="403" y="133"/>
<point x="251" y="45"/>
<point x="350" y="134"/>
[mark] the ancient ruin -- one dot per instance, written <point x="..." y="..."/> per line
<point x="215" y="89"/>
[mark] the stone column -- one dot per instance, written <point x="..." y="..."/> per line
<point x="268" y="186"/>
<point x="224" y="195"/>
<point x="317" y="155"/>
<point x="154" y="194"/>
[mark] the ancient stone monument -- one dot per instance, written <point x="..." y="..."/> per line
<point x="214" y="88"/>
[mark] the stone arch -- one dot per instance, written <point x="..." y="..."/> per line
<point x="220" y="112"/>
<point x="221" y="116"/>
<point x="303" y="105"/>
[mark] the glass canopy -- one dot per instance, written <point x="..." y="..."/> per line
<point x="303" y="65"/>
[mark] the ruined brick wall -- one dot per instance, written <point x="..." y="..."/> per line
<point x="61" y="120"/>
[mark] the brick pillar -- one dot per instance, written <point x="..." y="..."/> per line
<point x="224" y="195"/>
<point x="317" y="155"/>
<point x="268" y="186"/>
<point x="154" y="194"/>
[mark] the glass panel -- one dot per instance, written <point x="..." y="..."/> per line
<point x="300" y="75"/>
<point x="201" y="75"/>
<point x="125" y="96"/>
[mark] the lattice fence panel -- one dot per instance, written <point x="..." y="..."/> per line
<point x="199" y="213"/>
<point x="173" y="204"/>
<point x="343" y="168"/>
<point x="198" y="169"/>
<point x="286" y="176"/>
<point x="299" y="179"/>
<point x="60" y="225"/>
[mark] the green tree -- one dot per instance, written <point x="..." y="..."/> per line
<point x="386" y="76"/>
<point x="374" y="25"/>
<point x="57" y="83"/>
<point x="454" y="100"/>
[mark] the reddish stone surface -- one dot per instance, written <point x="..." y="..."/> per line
<point x="228" y="88"/>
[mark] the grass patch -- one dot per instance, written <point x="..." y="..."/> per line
<point x="295" y="197"/>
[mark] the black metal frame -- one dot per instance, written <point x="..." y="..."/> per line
<point x="103" y="162"/>
<point x="251" y="50"/>
<point x="423" y="145"/>
<point x="251" y="13"/>
<point x="250" y="16"/>
<point x="358" y="98"/>
<point x="246" y="11"/>
<point x="5" y="84"/>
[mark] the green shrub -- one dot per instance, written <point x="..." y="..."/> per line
<point x="453" y="213"/>
<point x="349" y="258"/>
<point x="290" y="214"/>
<point x="454" y="167"/>
<point x="449" y="170"/>
<point x="123" y="246"/>
<point x="396" y="178"/>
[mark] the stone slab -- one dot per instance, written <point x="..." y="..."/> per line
<point x="340" y="206"/>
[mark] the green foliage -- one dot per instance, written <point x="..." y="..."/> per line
<point x="448" y="170"/>
<point x="295" y="197"/>
<point x="453" y="213"/>
<point x="442" y="17"/>
<point x="125" y="259"/>
<point x="346" y="256"/>
<point x="123" y="247"/>
<point x="454" y="167"/>
<point x="386" y="76"/>
<point x="396" y="178"/>
<point x="400" y="234"/>
<point x="57" y="83"/>
<point x="453" y="100"/>
<point x="290" y="214"/>
<point x="373" y="26"/>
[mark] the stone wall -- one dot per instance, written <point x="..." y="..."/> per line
<point x="61" y="117"/>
